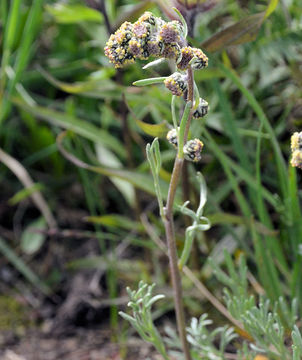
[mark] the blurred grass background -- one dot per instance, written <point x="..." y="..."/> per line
<point x="78" y="212"/>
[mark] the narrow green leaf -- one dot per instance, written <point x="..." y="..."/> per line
<point x="281" y="167"/>
<point x="231" y="219"/>
<point x="79" y="126"/>
<point x="116" y="221"/>
<point x="183" y="21"/>
<point x="22" y="267"/>
<point x="108" y="159"/>
<point x="3" y="12"/>
<point x="103" y="263"/>
<point x="83" y="87"/>
<point x="32" y="239"/>
<point x="73" y="13"/>
<point x="150" y="81"/>
<point x="154" y="63"/>
<point x="271" y="7"/>
<point x="25" y="193"/>
<point x="10" y="33"/>
<point x="11" y="28"/>
<point x="182" y="127"/>
<point x="155" y="130"/>
<point x="139" y="180"/>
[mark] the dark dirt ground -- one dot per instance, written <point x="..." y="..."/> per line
<point x="73" y="323"/>
<point x="85" y="344"/>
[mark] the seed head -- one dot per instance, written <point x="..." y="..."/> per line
<point x="201" y="110"/>
<point x="172" y="137"/>
<point x="192" y="150"/>
<point x="176" y="83"/>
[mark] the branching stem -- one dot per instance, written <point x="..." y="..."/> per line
<point x="170" y="234"/>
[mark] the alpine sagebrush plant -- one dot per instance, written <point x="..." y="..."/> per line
<point x="152" y="37"/>
<point x="270" y="326"/>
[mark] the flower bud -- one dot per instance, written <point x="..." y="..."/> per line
<point x="170" y="32"/>
<point x="192" y="56"/>
<point x="135" y="48"/>
<point x="147" y="17"/>
<point x="201" y="110"/>
<point x="200" y="60"/>
<point x="176" y="83"/>
<point x="296" y="160"/>
<point x="186" y="56"/>
<point x="155" y="46"/>
<point x="141" y="30"/>
<point x="172" y="137"/>
<point x="296" y="141"/>
<point x="192" y="150"/>
<point x="171" y="51"/>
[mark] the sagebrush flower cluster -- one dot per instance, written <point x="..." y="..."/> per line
<point x="151" y="36"/>
<point x="193" y="148"/>
<point x="296" y="147"/>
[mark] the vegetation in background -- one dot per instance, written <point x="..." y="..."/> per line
<point x="91" y="183"/>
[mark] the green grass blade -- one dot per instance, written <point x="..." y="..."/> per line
<point x="3" y="10"/>
<point x="281" y="166"/>
<point x="244" y="205"/>
<point x="29" y="32"/>
<point x="20" y="265"/>
<point x="79" y="126"/>
<point x="296" y="228"/>
<point x="272" y="242"/>
<point x="263" y="258"/>
<point x="23" y="54"/>
<point x="266" y="268"/>
<point x="250" y="180"/>
<point x="231" y="126"/>
<point x="8" y="41"/>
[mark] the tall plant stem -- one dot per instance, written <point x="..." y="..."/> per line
<point x="170" y="234"/>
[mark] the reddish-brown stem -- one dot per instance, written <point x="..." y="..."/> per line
<point x="170" y="235"/>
